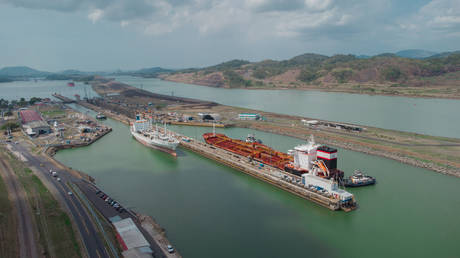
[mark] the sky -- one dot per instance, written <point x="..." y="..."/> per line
<point x="102" y="35"/>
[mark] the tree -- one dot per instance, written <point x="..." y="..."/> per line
<point x="10" y="125"/>
<point x="392" y="73"/>
<point x="4" y="103"/>
<point x="34" y="100"/>
<point x="22" y="102"/>
<point x="307" y="75"/>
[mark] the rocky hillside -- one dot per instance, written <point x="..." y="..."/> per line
<point x="319" y="71"/>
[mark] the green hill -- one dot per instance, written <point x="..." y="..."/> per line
<point x="383" y="73"/>
<point x="21" y="71"/>
<point x="415" y="53"/>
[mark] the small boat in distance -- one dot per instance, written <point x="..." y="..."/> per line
<point x="358" y="179"/>
<point x="71" y="84"/>
<point x="100" y="116"/>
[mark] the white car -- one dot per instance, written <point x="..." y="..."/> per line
<point x="170" y="249"/>
<point x="69" y="193"/>
<point x="59" y="179"/>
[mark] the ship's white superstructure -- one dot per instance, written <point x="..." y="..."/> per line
<point x="315" y="173"/>
<point x="141" y="129"/>
<point x="305" y="155"/>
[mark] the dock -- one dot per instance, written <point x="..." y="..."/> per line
<point x="271" y="175"/>
<point x="202" y="124"/>
<point x="64" y="100"/>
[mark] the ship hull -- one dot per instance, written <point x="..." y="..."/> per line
<point x="349" y="183"/>
<point x="168" y="149"/>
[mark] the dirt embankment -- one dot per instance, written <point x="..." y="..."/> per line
<point x="365" y="81"/>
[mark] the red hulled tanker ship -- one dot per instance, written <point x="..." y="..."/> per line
<point x="298" y="161"/>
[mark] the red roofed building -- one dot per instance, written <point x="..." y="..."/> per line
<point x="29" y="115"/>
<point x="33" y="123"/>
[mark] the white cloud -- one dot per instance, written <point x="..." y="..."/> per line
<point x="95" y="15"/>
<point x="318" y="5"/>
<point x="436" y="16"/>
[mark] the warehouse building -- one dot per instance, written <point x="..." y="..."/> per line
<point x="131" y="239"/>
<point x="33" y="123"/>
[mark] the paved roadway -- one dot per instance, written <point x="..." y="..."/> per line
<point x="87" y="229"/>
<point x="94" y="245"/>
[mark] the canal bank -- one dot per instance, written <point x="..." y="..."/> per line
<point x="420" y="115"/>
<point x="208" y="208"/>
<point x="439" y="154"/>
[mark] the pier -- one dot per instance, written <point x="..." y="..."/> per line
<point x="64" y="100"/>
<point x="202" y="124"/>
<point x="271" y="175"/>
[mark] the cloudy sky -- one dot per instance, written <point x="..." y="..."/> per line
<point x="128" y="34"/>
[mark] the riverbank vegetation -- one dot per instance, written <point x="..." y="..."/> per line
<point x="437" y="76"/>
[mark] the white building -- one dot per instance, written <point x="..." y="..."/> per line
<point x="248" y="116"/>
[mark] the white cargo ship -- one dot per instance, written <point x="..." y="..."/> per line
<point x="142" y="131"/>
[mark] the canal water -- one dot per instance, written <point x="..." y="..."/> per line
<point x="43" y="89"/>
<point x="210" y="210"/>
<point x="438" y="117"/>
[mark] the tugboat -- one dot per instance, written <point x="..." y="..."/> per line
<point x="101" y="116"/>
<point x="358" y="179"/>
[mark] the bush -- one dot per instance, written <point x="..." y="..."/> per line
<point x="235" y="80"/>
<point x="260" y="73"/>
<point x="12" y="125"/>
<point x="392" y="73"/>
<point x="342" y="75"/>
<point x="307" y="75"/>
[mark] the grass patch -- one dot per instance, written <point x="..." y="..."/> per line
<point x="8" y="232"/>
<point x="53" y="113"/>
<point x="56" y="233"/>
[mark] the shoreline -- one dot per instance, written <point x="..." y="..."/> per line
<point x="346" y="145"/>
<point x="319" y="89"/>
<point x="370" y="151"/>
<point x="148" y="223"/>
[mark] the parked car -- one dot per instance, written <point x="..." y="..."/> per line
<point x="98" y="192"/>
<point x="58" y="179"/>
<point x="170" y="249"/>
<point x="69" y="193"/>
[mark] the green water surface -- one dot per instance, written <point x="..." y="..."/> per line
<point x="210" y="210"/>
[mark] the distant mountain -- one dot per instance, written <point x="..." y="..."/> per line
<point x="145" y="72"/>
<point x="153" y="70"/>
<point x="21" y="71"/>
<point x="363" y="56"/>
<point x="74" y="72"/>
<point x="415" y="53"/>
<point x="444" y="54"/>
